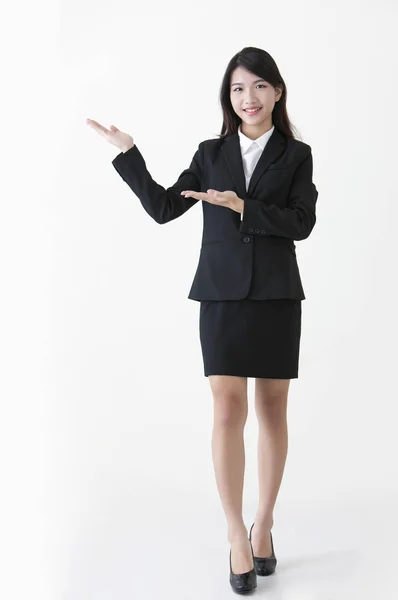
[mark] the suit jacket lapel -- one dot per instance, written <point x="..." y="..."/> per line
<point x="233" y="158"/>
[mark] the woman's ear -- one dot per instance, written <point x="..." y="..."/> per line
<point x="278" y="93"/>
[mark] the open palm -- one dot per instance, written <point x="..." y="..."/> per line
<point x="113" y="135"/>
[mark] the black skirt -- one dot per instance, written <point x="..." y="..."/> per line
<point x="251" y="338"/>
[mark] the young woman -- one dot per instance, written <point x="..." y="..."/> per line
<point x="255" y="184"/>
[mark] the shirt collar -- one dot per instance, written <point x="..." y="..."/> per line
<point x="246" y="142"/>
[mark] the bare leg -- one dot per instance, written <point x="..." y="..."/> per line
<point x="230" y="414"/>
<point x="270" y="404"/>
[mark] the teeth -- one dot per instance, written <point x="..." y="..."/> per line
<point x="252" y="110"/>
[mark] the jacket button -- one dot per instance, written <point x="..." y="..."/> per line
<point x="246" y="239"/>
<point x="257" y="230"/>
<point x="263" y="231"/>
<point x="251" y="229"/>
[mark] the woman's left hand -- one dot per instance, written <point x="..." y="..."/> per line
<point x="228" y="198"/>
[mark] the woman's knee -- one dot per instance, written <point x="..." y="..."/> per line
<point x="230" y="400"/>
<point x="271" y="398"/>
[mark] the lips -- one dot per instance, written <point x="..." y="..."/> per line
<point x="252" y="110"/>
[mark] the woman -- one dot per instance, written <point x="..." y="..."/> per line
<point x="255" y="184"/>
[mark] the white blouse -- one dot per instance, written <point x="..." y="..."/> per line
<point x="251" y="151"/>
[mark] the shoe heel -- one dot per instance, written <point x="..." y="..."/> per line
<point x="264" y="566"/>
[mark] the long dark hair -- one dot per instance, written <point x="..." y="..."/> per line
<point x="260" y="63"/>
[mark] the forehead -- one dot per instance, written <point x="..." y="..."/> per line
<point x="241" y="75"/>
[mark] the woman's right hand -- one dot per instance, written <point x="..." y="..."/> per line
<point x="121" y="140"/>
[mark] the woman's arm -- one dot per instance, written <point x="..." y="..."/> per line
<point x="163" y="205"/>
<point x="297" y="220"/>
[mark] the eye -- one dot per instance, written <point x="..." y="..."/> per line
<point x="238" y="88"/>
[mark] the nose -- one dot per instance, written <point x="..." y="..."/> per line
<point x="250" y="100"/>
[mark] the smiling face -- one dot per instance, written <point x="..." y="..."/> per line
<point x="248" y="90"/>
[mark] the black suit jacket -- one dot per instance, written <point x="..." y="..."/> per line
<point x="253" y="258"/>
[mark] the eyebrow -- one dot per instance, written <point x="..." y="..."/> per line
<point x="257" y="80"/>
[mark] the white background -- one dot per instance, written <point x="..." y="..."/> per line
<point x="108" y="489"/>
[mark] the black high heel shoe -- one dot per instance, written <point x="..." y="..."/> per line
<point x="242" y="583"/>
<point x="267" y="565"/>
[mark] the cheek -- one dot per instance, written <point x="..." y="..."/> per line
<point x="235" y="103"/>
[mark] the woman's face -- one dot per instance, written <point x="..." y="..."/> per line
<point x="248" y="90"/>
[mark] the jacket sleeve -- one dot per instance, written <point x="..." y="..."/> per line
<point x="297" y="220"/>
<point x="163" y="205"/>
